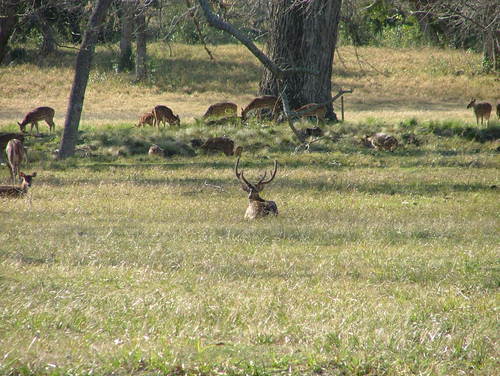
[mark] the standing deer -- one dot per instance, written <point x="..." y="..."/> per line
<point x="16" y="153"/>
<point x="319" y="112"/>
<point x="221" y="109"/>
<point x="18" y="190"/>
<point x="381" y="141"/>
<point x="164" y="114"/>
<point x="257" y="207"/>
<point x="481" y="110"/>
<point x="267" y="101"/>
<point x="34" y="116"/>
<point x="147" y="118"/>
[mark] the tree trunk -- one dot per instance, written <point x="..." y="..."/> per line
<point x="49" y="42"/>
<point x="8" y="22"/>
<point x="140" y="62"/>
<point x="303" y="35"/>
<point x="82" y="70"/>
<point x="127" y="20"/>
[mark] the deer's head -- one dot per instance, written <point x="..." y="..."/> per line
<point x="472" y="103"/>
<point x="254" y="189"/>
<point x="27" y="178"/>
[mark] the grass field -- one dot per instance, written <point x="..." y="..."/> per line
<point x="378" y="264"/>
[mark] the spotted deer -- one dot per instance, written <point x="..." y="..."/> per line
<point x="221" y="109"/>
<point x="18" y="189"/>
<point x="265" y="102"/>
<point x="257" y="207"/>
<point x="481" y="110"/>
<point x="224" y="144"/>
<point x="319" y="112"/>
<point x="16" y="153"/>
<point x="37" y="114"/>
<point x="156" y="150"/>
<point x="164" y="114"/>
<point x="146" y="118"/>
<point x="381" y="141"/>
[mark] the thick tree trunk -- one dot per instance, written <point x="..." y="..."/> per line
<point x="82" y="70"/>
<point x="8" y="22"/>
<point x="49" y="42"/>
<point x="140" y="62"/>
<point x="127" y="20"/>
<point x="303" y="35"/>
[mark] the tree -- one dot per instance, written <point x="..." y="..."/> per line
<point x="303" y="34"/>
<point x="82" y="70"/>
<point x="127" y="23"/>
<point x="140" y="60"/>
<point x="8" y="22"/>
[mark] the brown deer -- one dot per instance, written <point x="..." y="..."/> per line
<point x="257" y="207"/>
<point x="381" y="141"/>
<point x="224" y="144"/>
<point x="221" y="109"/>
<point x="18" y="190"/>
<point x="146" y="118"/>
<point x="481" y="110"/>
<point x="6" y="137"/>
<point x="34" y="116"/>
<point x="265" y="102"/>
<point x="16" y="153"/>
<point x="164" y="114"/>
<point x="319" y="112"/>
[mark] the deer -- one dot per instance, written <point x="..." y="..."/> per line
<point x="16" y="153"/>
<point x="319" y="112"/>
<point x="481" y="110"/>
<point x="224" y="144"/>
<point x="18" y="190"/>
<point x="162" y="114"/>
<point x="146" y="118"/>
<point x="37" y="114"/>
<point x="265" y="102"/>
<point x="221" y="109"/>
<point x="257" y="206"/>
<point x="381" y="141"/>
<point x="156" y="150"/>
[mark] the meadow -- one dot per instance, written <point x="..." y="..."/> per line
<point x="378" y="263"/>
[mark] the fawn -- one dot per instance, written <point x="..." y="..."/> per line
<point x="481" y="110"/>
<point x="381" y="141"/>
<point x="267" y="101"/>
<point x="34" y="116"/>
<point x="164" y="114"/>
<point x="146" y="118"/>
<point x="257" y="207"/>
<point x="18" y="190"/>
<point x="224" y="144"/>
<point x="319" y="112"/>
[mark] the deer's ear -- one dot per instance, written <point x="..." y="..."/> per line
<point x="245" y="188"/>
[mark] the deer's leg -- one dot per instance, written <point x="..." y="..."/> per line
<point x="52" y="125"/>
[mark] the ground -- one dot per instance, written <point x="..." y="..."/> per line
<point x="379" y="263"/>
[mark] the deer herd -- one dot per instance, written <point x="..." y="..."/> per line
<point x="257" y="207"/>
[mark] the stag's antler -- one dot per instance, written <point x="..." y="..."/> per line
<point x="262" y="182"/>
<point x="244" y="182"/>
<point x="260" y="185"/>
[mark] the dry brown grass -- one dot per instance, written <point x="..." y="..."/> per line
<point x="396" y="84"/>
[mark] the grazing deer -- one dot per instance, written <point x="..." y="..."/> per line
<point x="16" y="153"/>
<point x="381" y="141"/>
<point x="6" y="137"/>
<point x="257" y="207"/>
<point x="17" y="190"/>
<point x="156" y="150"/>
<point x="319" y="112"/>
<point x="146" y="118"/>
<point x="34" y="116"/>
<point x="224" y="144"/>
<point x="481" y="110"/>
<point x="267" y="101"/>
<point x="164" y="114"/>
<point x="221" y="109"/>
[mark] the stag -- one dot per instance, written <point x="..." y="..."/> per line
<point x="257" y="206"/>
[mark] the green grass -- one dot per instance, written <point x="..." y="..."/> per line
<point x="378" y="264"/>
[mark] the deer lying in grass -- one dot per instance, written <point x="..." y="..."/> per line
<point x="156" y="150"/>
<point x="16" y="153"/>
<point x="164" y="114"/>
<point x="146" y="118"/>
<point x="265" y="102"/>
<point x="481" y="110"/>
<point x="224" y="144"/>
<point x="17" y="190"/>
<point x="257" y="207"/>
<point x="221" y="109"/>
<point x="319" y="112"/>
<point x="34" y="116"/>
<point x="381" y="141"/>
